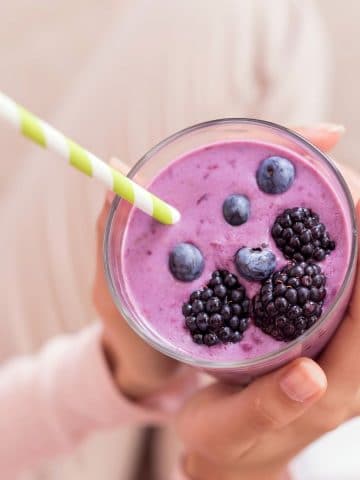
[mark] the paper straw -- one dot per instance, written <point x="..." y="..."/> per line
<point x="46" y="136"/>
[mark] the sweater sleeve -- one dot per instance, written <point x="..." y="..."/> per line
<point x="51" y="401"/>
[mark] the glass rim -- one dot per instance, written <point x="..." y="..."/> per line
<point x="261" y="359"/>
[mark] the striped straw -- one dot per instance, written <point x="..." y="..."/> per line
<point x="47" y="137"/>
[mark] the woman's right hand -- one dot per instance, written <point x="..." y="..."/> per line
<point x="252" y="434"/>
<point x="231" y="433"/>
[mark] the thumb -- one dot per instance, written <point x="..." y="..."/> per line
<point x="222" y="422"/>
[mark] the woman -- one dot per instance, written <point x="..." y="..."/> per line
<point x="159" y="66"/>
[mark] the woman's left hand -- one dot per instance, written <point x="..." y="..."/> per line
<point x="138" y="369"/>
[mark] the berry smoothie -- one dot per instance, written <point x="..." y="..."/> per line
<point x="260" y="268"/>
<point x="260" y="253"/>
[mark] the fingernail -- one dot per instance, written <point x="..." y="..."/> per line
<point x="303" y="381"/>
<point x="331" y="128"/>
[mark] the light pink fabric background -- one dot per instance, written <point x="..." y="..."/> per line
<point x="119" y="76"/>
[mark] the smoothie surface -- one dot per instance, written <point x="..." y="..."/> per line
<point x="197" y="185"/>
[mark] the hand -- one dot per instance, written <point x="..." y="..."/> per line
<point x="138" y="369"/>
<point x="225" y="428"/>
<point x="253" y="433"/>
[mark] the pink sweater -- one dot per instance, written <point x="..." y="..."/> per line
<point x="52" y="401"/>
<point x="255" y="58"/>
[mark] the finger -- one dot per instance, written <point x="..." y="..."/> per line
<point x="355" y="299"/>
<point x="341" y="357"/>
<point x="323" y="135"/>
<point x="225" y="423"/>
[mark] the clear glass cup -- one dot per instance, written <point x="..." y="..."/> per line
<point x="314" y="339"/>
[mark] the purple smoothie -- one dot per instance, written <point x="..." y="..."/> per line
<point x="197" y="184"/>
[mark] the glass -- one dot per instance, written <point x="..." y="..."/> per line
<point x="314" y="339"/>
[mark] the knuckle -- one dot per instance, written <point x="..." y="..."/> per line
<point x="262" y="417"/>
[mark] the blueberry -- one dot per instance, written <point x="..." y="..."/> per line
<point x="275" y="175"/>
<point x="186" y="262"/>
<point x="255" y="264"/>
<point x="236" y="209"/>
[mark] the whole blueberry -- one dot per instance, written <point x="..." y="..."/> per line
<point x="236" y="209"/>
<point x="255" y="264"/>
<point x="275" y="175"/>
<point x="186" y="262"/>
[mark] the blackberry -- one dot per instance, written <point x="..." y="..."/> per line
<point x="218" y="312"/>
<point x="300" y="235"/>
<point x="283" y="311"/>
<point x="186" y="262"/>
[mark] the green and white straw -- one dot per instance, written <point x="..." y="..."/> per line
<point x="46" y="136"/>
